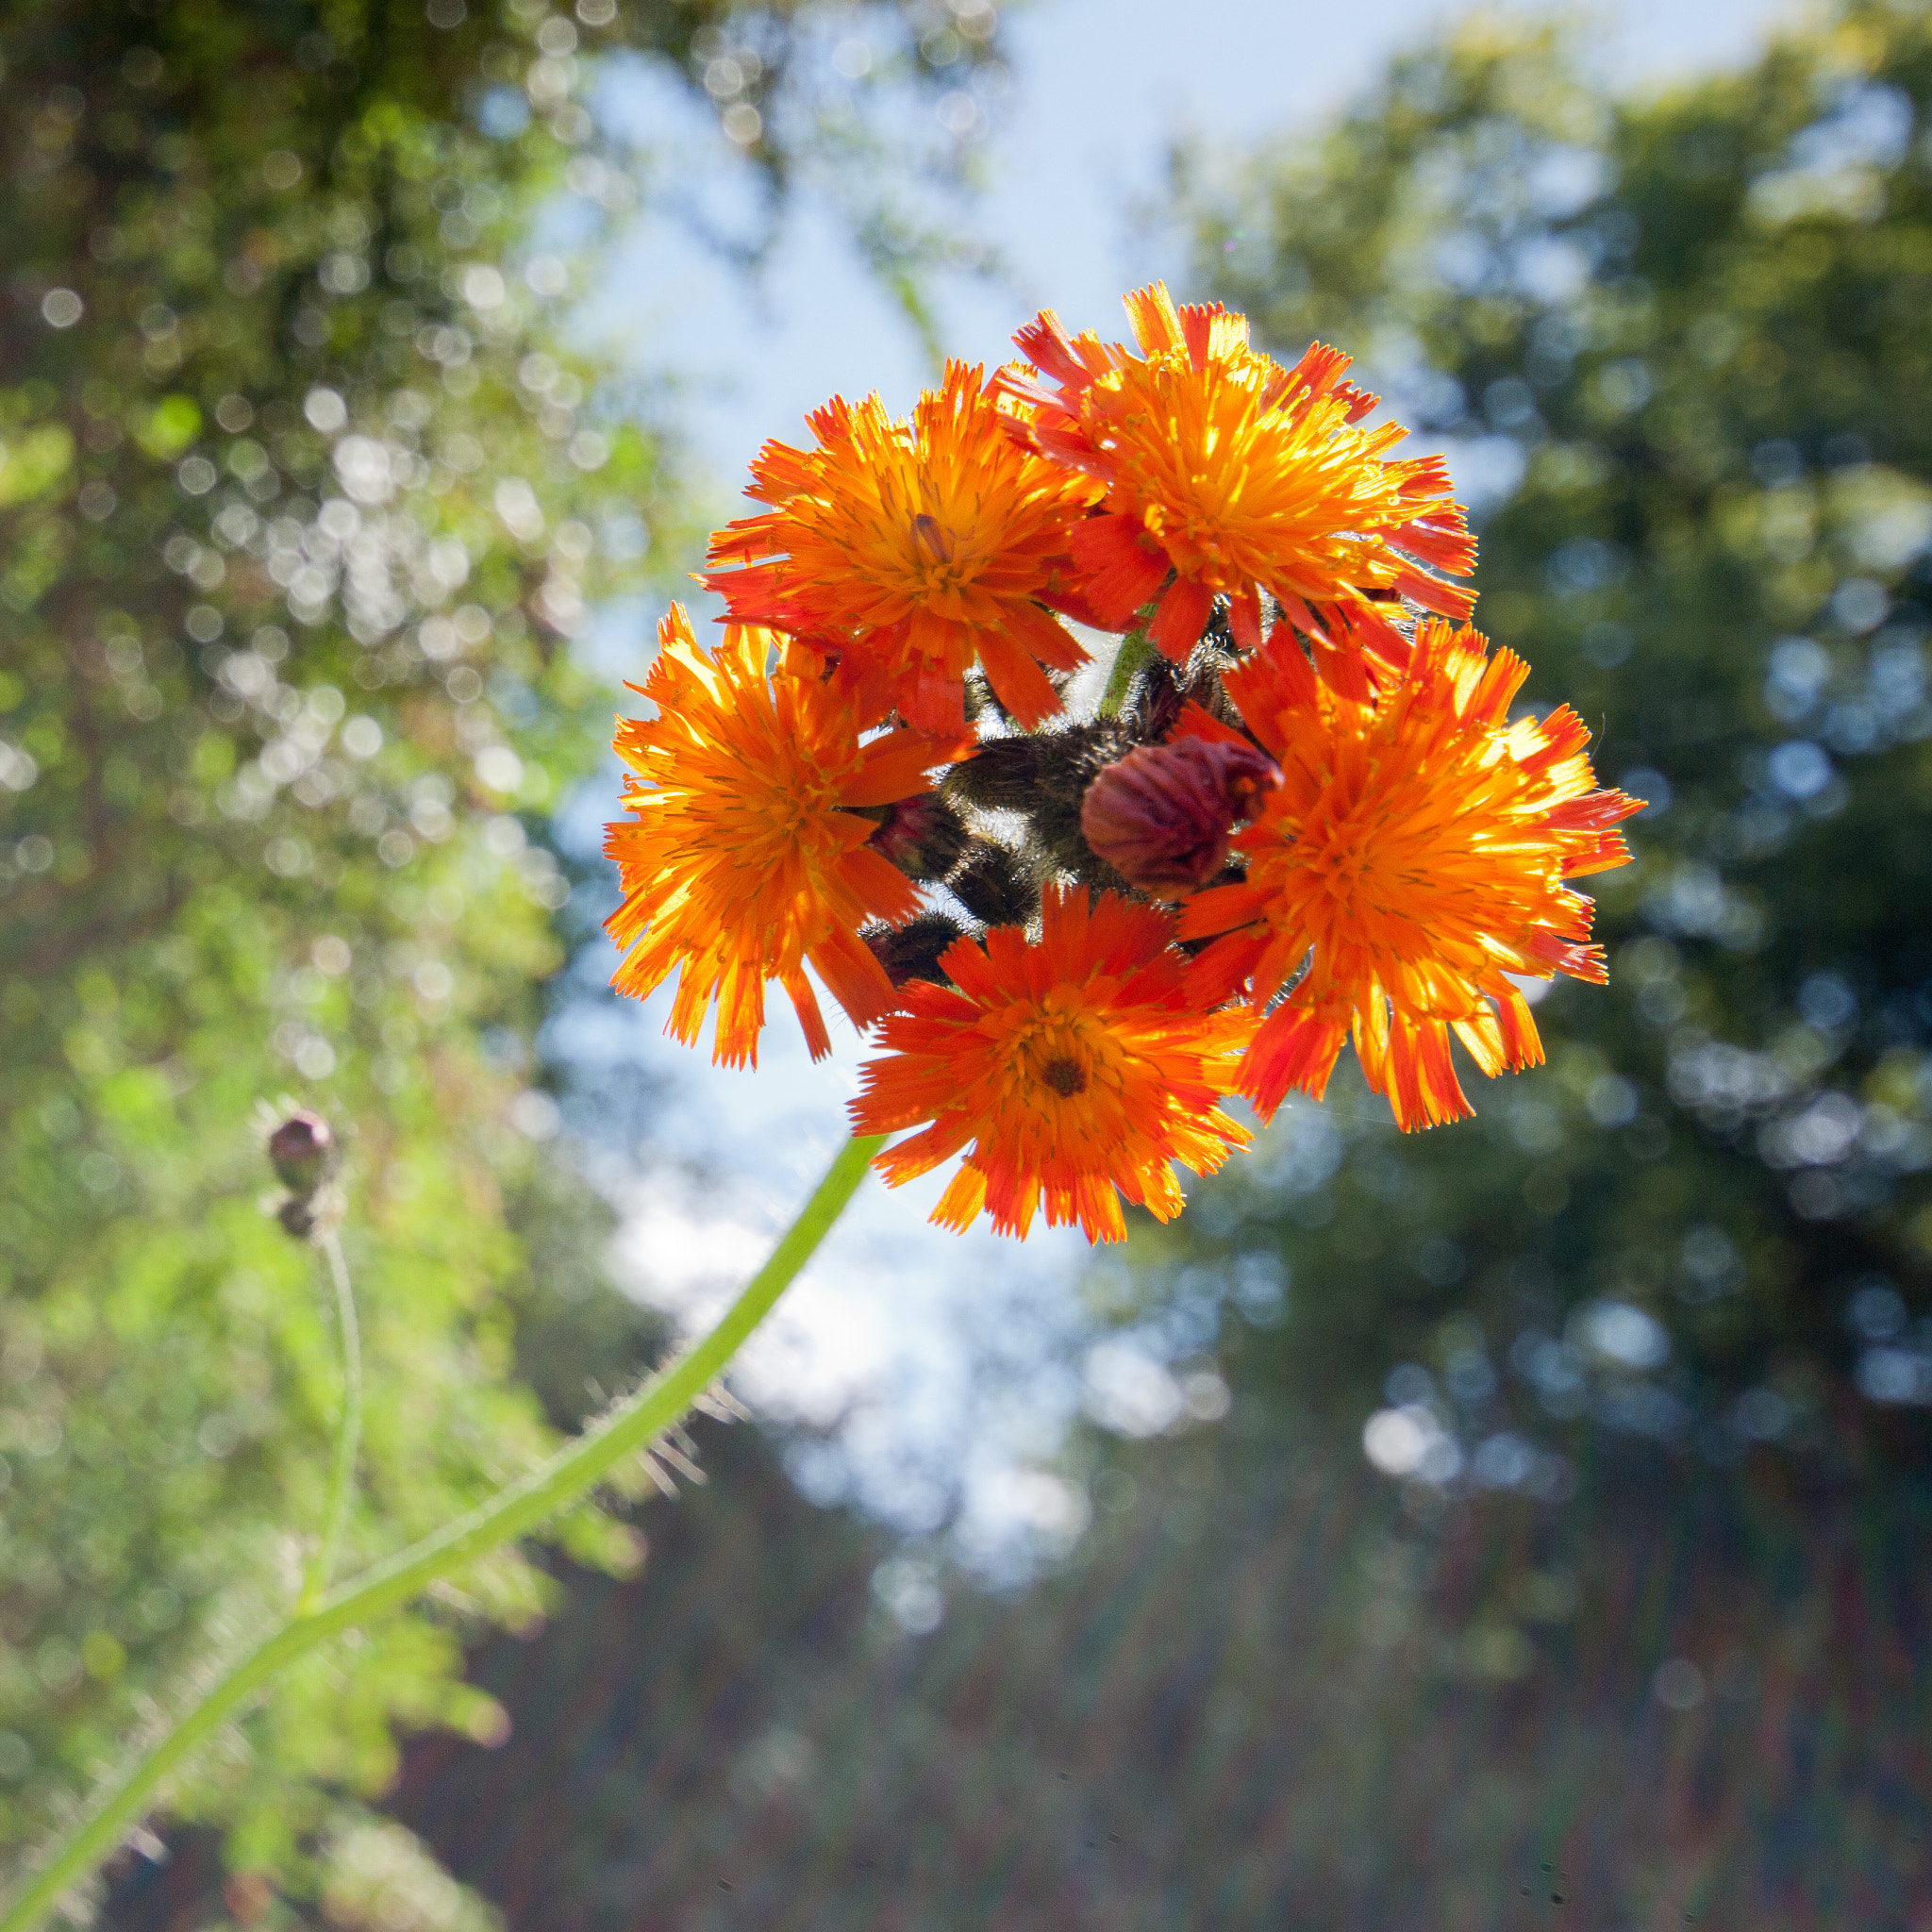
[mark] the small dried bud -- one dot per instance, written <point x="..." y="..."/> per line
<point x="303" y="1151"/>
<point x="298" y="1216"/>
<point x="924" y="837"/>
<point x="1159" y="692"/>
<point x="912" y="951"/>
<point x="1161" y="815"/>
<point x="993" y="886"/>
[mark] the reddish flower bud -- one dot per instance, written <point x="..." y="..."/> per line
<point x="924" y="837"/>
<point x="303" y="1151"/>
<point x="1161" y="815"/>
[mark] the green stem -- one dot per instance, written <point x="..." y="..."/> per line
<point x="1136" y="648"/>
<point x="341" y="1487"/>
<point x="511" y="1512"/>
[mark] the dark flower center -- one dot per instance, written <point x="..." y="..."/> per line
<point x="1066" y="1077"/>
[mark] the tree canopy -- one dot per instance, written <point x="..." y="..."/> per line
<point x="1678" y="338"/>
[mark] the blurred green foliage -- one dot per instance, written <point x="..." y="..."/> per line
<point x="303" y="496"/>
<point x="1680" y="343"/>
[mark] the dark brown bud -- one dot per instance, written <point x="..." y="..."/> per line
<point x="992" y="885"/>
<point x="924" y="837"/>
<point x="999" y="776"/>
<point x="297" y="1216"/>
<point x="1161" y="815"/>
<point x="1158" y="695"/>
<point x="912" y="951"/>
<point x="303" y="1151"/>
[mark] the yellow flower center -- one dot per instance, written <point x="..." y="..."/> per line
<point x="1237" y="487"/>
<point x="1064" y="1057"/>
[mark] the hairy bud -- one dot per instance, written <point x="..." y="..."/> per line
<point x="924" y="837"/>
<point x="992" y="885"/>
<point x="912" y="951"/>
<point x="301" y="1150"/>
<point x="999" y="776"/>
<point x="1161" y="815"/>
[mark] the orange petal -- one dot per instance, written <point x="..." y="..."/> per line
<point x="853" y="978"/>
<point x="894" y="766"/>
<point x="1017" y="681"/>
<point x="804" y="1004"/>
<point x="1124" y="566"/>
<point x="959" y="1206"/>
<point x="1182" y="617"/>
<point x="1293" y="1049"/>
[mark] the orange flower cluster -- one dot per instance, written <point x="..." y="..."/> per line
<point x="746" y="858"/>
<point x="1226" y="475"/>
<point x="1075" y="1065"/>
<point x="1410" y="859"/>
<point x="1303" y="812"/>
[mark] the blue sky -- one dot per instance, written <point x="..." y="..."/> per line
<point x="1100" y="90"/>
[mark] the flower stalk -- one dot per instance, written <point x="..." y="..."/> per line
<point x="342" y="1488"/>
<point x="513" y="1511"/>
<point x="1135" y="650"/>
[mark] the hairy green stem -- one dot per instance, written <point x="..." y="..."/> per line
<point x="1136" y="648"/>
<point x="342" y="1488"/>
<point x="511" y="1512"/>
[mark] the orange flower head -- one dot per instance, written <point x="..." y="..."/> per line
<point x="1074" y="1065"/>
<point x="743" y="860"/>
<point x="914" y="548"/>
<point x="1412" y="857"/>
<point x="1237" y="476"/>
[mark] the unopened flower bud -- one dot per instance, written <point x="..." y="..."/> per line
<point x="297" y="1216"/>
<point x="993" y="886"/>
<point x="912" y="951"/>
<point x="1000" y="777"/>
<point x="303" y="1151"/>
<point x="1161" y="815"/>
<point x="924" y="837"/>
